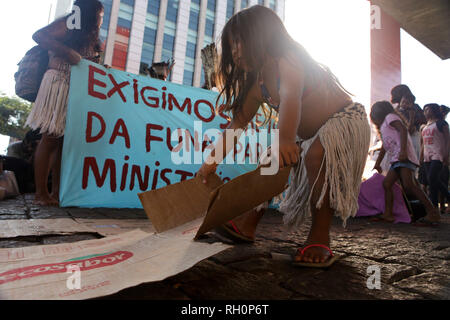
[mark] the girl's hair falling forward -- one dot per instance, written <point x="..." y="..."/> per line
<point x="260" y="32"/>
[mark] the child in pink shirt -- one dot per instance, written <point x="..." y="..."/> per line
<point x="435" y="151"/>
<point x="398" y="145"/>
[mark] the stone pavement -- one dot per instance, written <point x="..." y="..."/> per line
<point x="414" y="261"/>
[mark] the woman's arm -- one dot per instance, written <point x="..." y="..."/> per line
<point x="240" y="121"/>
<point x="51" y="38"/>
<point x="400" y="127"/>
<point x="380" y="158"/>
<point x="291" y="90"/>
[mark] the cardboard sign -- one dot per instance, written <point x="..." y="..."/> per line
<point x="241" y="195"/>
<point x="108" y="227"/>
<point x="39" y="227"/>
<point x="216" y="202"/>
<point x="178" y="203"/>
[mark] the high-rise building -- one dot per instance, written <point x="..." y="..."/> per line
<point x="138" y="32"/>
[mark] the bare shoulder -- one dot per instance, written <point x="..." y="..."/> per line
<point x="292" y="76"/>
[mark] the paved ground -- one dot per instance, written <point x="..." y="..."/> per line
<point x="414" y="261"/>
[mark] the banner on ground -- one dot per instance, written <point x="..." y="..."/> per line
<point x="121" y="130"/>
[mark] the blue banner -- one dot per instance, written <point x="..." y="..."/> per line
<point x="119" y="137"/>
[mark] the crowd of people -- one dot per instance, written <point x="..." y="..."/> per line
<point x="413" y="140"/>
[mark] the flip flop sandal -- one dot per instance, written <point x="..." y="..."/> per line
<point x="233" y="233"/>
<point x="379" y="219"/>
<point x="332" y="259"/>
<point x="422" y="222"/>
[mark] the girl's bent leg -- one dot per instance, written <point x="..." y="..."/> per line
<point x="410" y="186"/>
<point x="388" y="182"/>
<point x="248" y="222"/>
<point x="322" y="217"/>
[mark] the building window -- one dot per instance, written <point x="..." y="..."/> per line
<point x="209" y="24"/>
<point x="172" y="10"/>
<point x="230" y="9"/>
<point x="273" y="5"/>
<point x="191" y="44"/>
<point x="193" y="20"/>
<point x="244" y="4"/>
<point x="122" y="38"/>
<point x="151" y="26"/>
<point x="211" y="5"/>
<point x="261" y="2"/>
<point x="190" y="50"/>
<point x="103" y="35"/>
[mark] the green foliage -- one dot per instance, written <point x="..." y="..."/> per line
<point x="13" y="115"/>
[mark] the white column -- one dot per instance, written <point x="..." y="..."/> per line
<point x="160" y="31"/>
<point x="111" y="37"/>
<point x="221" y="17"/>
<point x="136" y="36"/>
<point x="267" y="3"/>
<point x="200" y="40"/>
<point x="280" y="9"/>
<point x="237" y="6"/>
<point x="252" y="2"/>
<point x="181" y="40"/>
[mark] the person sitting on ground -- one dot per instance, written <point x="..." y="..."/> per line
<point x="435" y="152"/>
<point x="397" y="143"/>
<point x="19" y="159"/>
<point x="261" y="64"/>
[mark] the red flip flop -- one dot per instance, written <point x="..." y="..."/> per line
<point x="233" y="233"/>
<point x="333" y="257"/>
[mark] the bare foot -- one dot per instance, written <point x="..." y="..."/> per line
<point x="433" y="216"/>
<point x="388" y="217"/>
<point x="45" y="201"/>
<point x="314" y="254"/>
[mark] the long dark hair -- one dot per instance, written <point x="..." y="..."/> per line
<point x="380" y="110"/>
<point x="259" y="30"/>
<point x="399" y="91"/>
<point x="88" y="35"/>
<point x="435" y="110"/>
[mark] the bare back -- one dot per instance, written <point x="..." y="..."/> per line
<point x="323" y="100"/>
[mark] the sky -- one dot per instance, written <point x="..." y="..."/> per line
<point x="335" y="33"/>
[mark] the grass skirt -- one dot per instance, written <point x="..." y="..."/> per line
<point x="345" y="138"/>
<point x="49" y="110"/>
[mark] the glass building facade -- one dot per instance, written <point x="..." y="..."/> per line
<point x="191" y="43"/>
<point x="151" y="26"/>
<point x="122" y="37"/>
<point x="134" y="32"/>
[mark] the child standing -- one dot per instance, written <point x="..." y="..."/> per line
<point x="398" y="145"/>
<point x="435" y="151"/>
